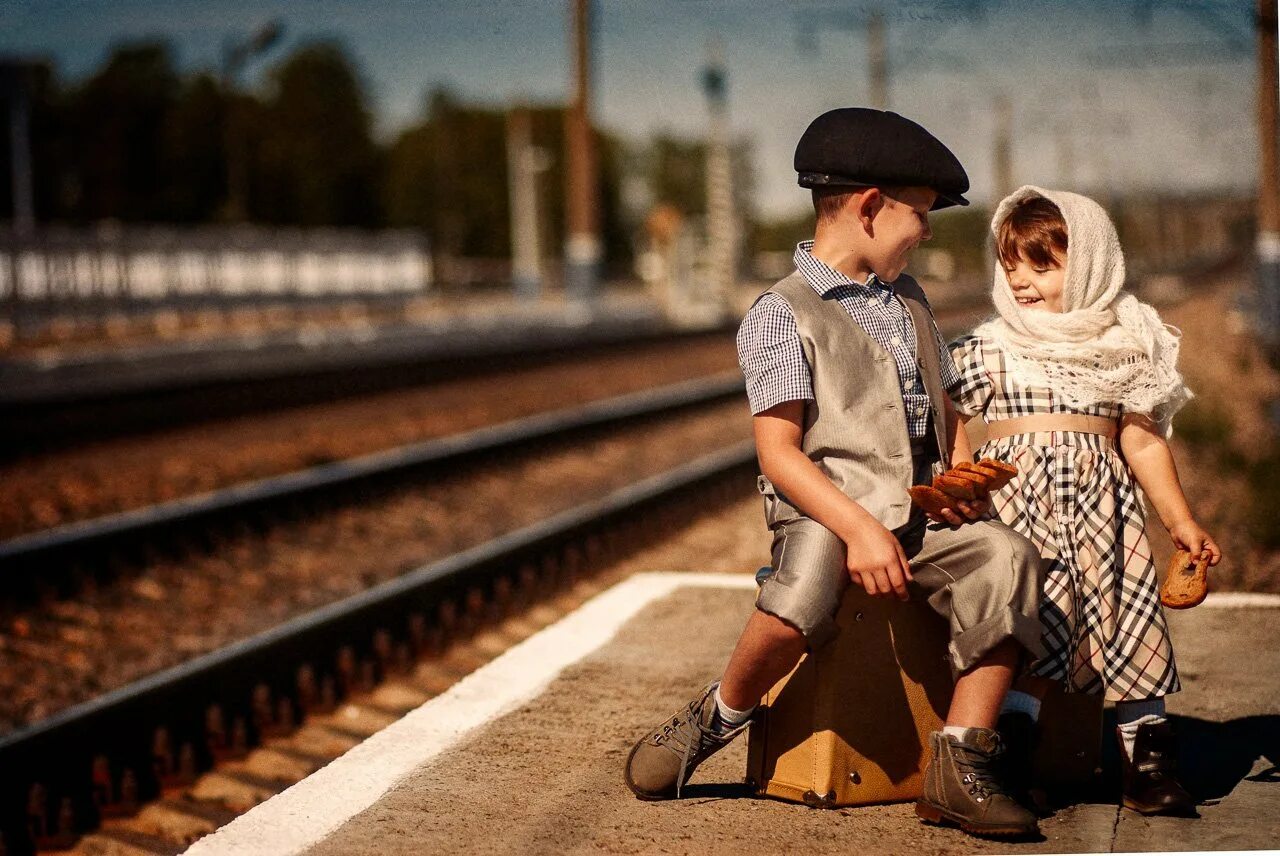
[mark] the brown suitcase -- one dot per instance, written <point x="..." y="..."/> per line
<point x="850" y="725"/>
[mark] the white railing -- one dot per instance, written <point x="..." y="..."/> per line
<point x="66" y="268"/>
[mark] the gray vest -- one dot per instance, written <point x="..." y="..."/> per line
<point x="855" y="429"/>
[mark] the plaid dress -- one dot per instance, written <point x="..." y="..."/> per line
<point x="1076" y="499"/>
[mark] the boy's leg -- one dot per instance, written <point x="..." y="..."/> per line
<point x="796" y="609"/>
<point x="980" y="691"/>
<point x="768" y="649"/>
<point x="985" y="580"/>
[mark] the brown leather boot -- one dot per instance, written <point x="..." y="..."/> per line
<point x="962" y="786"/>
<point x="661" y="763"/>
<point x="1151" y="784"/>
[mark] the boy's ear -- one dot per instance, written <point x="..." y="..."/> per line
<point x="867" y="205"/>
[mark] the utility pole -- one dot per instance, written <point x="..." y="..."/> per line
<point x="234" y="57"/>
<point x="582" y="249"/>
<point x="524" y="164"/>
<point x="878" y="55"/>
<point x="1002" y="145"/>
<point x="1268" y="242"/>
<point x="722" y="243"/>
<point x="873" y="23"/>
<point x="15" y="87"/>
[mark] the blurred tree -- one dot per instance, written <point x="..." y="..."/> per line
<point x="116" y="122"/>
<point x="194" y="158"/>
<point x="447" y="175"/>
<point x="780" y="234"/>
<point x="315" y="161"/>
<point x="963" y="233"/>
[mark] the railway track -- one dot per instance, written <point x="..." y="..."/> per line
<point x="47" y="408"/>
<point x="66" y="775"/>
<point x="58" y="559"/>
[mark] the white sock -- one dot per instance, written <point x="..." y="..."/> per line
<point x="956" y="731"/>
<point x="1132" y="715"/>
<point x="1130" y="711"/>
<point x="730" y="717"/>
<point x="1016" y="701"/>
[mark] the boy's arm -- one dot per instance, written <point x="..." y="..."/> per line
<point x="1149" y="457"/>
<point x="873" y="558"/>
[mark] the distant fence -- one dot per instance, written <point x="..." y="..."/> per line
<point x="137" y="267"/>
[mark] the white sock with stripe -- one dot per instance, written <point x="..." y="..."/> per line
<point x="730" y="718"/>
<point x="1132" y="715"/>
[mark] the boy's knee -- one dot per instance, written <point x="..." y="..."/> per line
<point x="1023" y="554"/>
<point x="1011" y="561"/>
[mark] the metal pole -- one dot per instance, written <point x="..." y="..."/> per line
<point x="582" y="251"/>
<point x="234" y="56"/>
<point x="722" y="252"/>
<point x="522" y="172"/>
<point x="1002" y="146"/>
<point x="1268" y="242"/>
<point x="878" y="54"/>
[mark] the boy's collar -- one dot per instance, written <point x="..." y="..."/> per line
<point x="825" y="278"/>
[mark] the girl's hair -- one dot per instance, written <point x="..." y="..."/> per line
<point x="1034" y="232"/>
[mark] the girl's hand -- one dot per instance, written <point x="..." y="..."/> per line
<point x="1187" y="535"/>
<point x="972" y="509"/>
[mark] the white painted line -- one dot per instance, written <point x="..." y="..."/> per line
<point x="308" y="811"/>
<point x="1242" y="600"/>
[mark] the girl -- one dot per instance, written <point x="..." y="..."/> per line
<point x="1078" y="383"/>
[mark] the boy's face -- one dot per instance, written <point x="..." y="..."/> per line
<point x="1036" y="287"/>
<point x="901" y="224"/>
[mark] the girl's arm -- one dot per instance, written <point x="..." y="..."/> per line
<point x="1149" y="457"/>
<point x="957" y="440"/>
<point x="958" y="450"/>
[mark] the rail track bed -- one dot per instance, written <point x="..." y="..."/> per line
<point x="237" y="614"/>
<point x="46" y="489"/>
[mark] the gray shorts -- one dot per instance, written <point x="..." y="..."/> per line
<point x="982" y="577"/>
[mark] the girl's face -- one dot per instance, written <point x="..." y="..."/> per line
<point x="1036" y="287"/>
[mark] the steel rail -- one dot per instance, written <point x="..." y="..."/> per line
<point x="38" y="549"/>
<point x="74" y="765"/>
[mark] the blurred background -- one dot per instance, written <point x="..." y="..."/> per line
<point x="255" y="250"/>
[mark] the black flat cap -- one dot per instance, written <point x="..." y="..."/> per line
<point x="858" y="146"/>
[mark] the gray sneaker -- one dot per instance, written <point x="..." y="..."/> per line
<point x="661" y="763"/>
<point x="962" y="787"/>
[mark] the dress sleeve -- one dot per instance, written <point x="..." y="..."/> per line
<point x="947" y="367"/>
<point x="972" y="388"/>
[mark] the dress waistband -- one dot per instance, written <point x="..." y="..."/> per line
<point x="1052" y="422"/>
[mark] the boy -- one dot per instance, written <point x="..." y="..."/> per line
<point x="844" y="371"/>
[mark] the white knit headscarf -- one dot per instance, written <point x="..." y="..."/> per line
<point x="1105" y="345"/>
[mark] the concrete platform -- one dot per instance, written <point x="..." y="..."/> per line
<point x="525" y="755"/>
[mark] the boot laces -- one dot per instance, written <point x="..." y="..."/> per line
<point x="979" y="774"/>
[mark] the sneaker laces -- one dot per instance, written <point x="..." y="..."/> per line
<point x="687" y="741"/>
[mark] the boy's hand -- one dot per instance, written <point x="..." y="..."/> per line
<point x="1188" y="535"/>
<point x="876" y="561"/>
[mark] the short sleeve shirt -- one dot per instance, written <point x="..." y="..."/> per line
<point x="772" y="358"/>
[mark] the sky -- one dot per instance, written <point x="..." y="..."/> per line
<point x="1103" y="96"/>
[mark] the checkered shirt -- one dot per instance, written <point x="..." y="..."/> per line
<point x="772" y="359"/>
<point x="1076" y="499"/>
